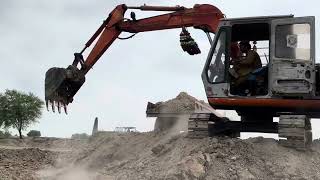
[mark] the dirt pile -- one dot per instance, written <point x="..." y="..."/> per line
<point x="43" y="143"/>
<point x="173" y="114"/>
<point x="124" y="156"/>
<point x="159" y="156"/>
<point x="155" y="156"/>
<point x="23" y="158"/>
<point x="183" y="103"/>
<point x="24" y="163"/>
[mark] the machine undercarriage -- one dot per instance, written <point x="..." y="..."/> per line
<point x="200" y="120"/>
<point x="293" y="130"/>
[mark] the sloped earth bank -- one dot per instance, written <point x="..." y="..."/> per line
<point x="22" y="159"/>
<point x="111" y="156"/>
<point x="23" y="163"/>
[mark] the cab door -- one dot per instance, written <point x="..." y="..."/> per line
<point x="214" y="75"/>
<point x="292" y="68"/>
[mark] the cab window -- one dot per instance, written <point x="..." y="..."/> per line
<point x="293" y="41"/>
<point x="216" y="69"/>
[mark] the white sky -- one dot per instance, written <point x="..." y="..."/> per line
<point x="38" y="34"/>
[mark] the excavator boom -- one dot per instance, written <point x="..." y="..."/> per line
<point x="62" y="84"/>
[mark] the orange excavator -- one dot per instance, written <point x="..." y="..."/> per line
<point x="286" y="86"/>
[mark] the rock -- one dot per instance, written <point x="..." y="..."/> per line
<point x="221" y="155"/>
<point x="214" y="140"/>
<point x="234" y="177"/>
<point x="233" y="158"/>
<point x="278" y="174"/>
<point x="231" y="143"/>
<point x="207" y="157"/>
<point x="193" y="167"/>
<point x="269" y="164"/>
<point x="256" y="139"/>
<point x="246" y="175"/>
<point x="157" y="149"/>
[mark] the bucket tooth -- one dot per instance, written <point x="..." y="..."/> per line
<point x="47" y="105"/>
<point x="52" y="106"/>
<point x="59" y="107"/>
<point x="65" y="108"/>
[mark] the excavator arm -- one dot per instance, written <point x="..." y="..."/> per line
<point x="62" y="84"/>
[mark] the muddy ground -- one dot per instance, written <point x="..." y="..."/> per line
<point x="111" y="155"/>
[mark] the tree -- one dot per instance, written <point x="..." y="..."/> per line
<point x="19" y="110"/>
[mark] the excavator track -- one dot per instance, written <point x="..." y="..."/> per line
<point x="198" y="125"/>
<point x="296" y="131"/>
<point x="202" y="125"/>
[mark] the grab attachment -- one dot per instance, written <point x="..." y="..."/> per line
<point x="187" y="43"/>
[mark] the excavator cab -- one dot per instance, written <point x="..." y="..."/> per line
<point x="285" y="86"/>
<point x="285" y="46"/>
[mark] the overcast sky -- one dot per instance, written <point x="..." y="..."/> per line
<point x="38" y="34"/>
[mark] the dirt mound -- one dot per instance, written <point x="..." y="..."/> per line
<point x="183" y="103"/>
<point x="44" y="143"/>
<point x="156" y="155"/>
<point x="124" y="156"/>
<point x="24" y="163"/>
<point x="159" y="156"/>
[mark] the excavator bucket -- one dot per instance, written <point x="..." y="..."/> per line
<point x="61" y="85"/>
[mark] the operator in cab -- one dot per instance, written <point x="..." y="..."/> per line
<point x="244" y="66"/>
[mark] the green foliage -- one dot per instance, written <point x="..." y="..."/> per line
<point x="19" y="110"/>
<point x="34" y="133"/>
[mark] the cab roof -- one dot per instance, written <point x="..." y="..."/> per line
<point x="257" y="18"/>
